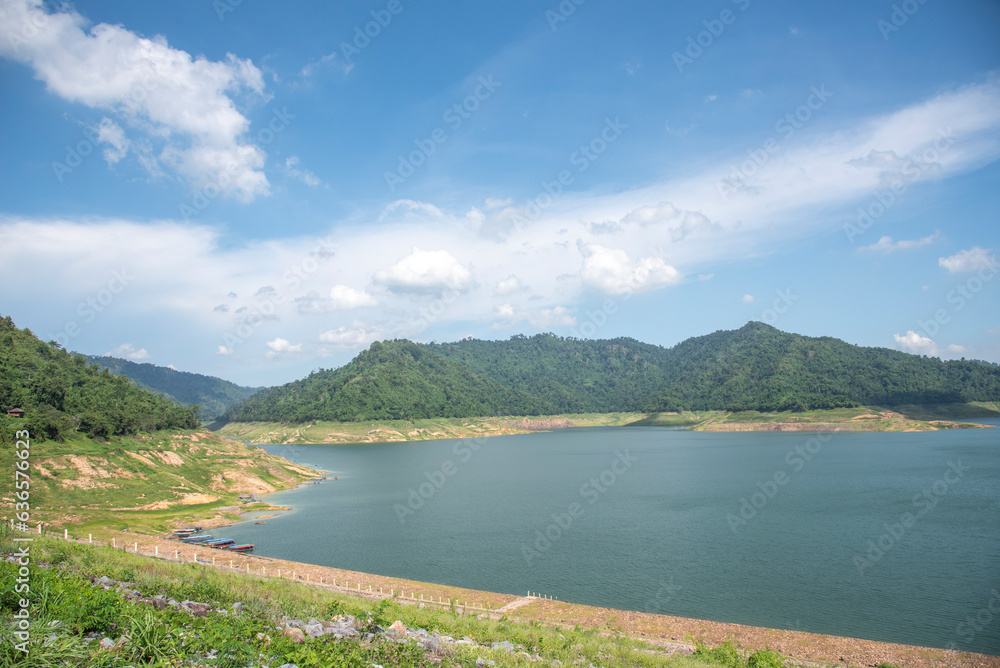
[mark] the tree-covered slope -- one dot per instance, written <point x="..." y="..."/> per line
<point x="62" y="394"/>
<point x="212" y="395"/>
<point x="576" y="375"/>
<point x="758" y="367"/>
<point x="390" y="380"/>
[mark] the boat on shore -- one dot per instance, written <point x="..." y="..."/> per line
<point x="197" y="539"/>
<point x="240" y="548"/>
<point x="220" y="542"/>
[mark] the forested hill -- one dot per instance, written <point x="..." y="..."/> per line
<point x="62" y="394"/>
<point x="758" y="367"/>
<point x="394" y="379"/>
<point x="212" y="395"/>
<point x="754" y="367"/>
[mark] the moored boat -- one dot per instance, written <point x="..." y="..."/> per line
<point x="221" y="542"/>
<point x="240" y="548"/>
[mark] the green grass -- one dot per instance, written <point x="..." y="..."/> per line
<point x="145" y="636"/>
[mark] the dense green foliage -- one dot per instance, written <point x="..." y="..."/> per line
<point x="756" y="367"/>
<point x="212" y="395"/>
<point x="62" y="394"/>
<point x="390" y="380"/>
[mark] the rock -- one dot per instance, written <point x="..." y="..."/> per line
<point x="294" y="634"/>
<point x="107" y="643"/>
<point x="237" y="607"/>
<point x="172" y="602"/>
<point x="485" y="662"/>
<point x="288" y="665"/>
<point x="556" y="663"/>
<point x="105" y="581"/>
<point x="293" y="624"/>
<point x="314" y="630"/>
<point x="506" y="646"/>
<point x="397" y="629"/>
<point x="195" y="608"/>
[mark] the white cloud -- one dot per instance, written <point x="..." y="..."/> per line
<point x="886" y="245"/>
<point x="344" y="297"/>
<point x="509" y="286"/>
<point x="748" y="299"/>
<point x="916" y="344"/>
<point x="345" y="338"/>
<point x="974" y="259"/>
<point x="180" y="102"/>
<point x="610" y="270"/>
<point x="127" y="351"/>
<point x="496" y="203"/>
<point x="425" y="272"/>
<point x="558" y="316"/>
<point x="224" y="351"/>
<point x="109" y="132"/>
<point x="705" y="277"/>
<point x="304" y="175"/>
<point x="280" y="346"/>
<point x="955" y="348"/>
<point x="326" y="61"/>
<point x="410" y="206"/>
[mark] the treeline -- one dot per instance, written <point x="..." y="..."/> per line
<point x="212" y="395"/>
<point x="62" y="394"/>
<point x="756" y="367"/>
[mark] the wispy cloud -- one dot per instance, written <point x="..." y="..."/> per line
<point x="886" y="244"/>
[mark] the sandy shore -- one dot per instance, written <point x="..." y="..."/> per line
<point x="824" y="650"/>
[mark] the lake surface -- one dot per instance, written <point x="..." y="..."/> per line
<point x="888" y="536"/>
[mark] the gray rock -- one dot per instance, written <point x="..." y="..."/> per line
<point x="506" y="646"/>
<point x="107" y="643"/>
<point x="237" y="607"/>
<point x="288" y="665"/>
<point x="314" y="630"/>
<point x="172" y="602"/>
<point x="195" y="608"/>
<point x="105" y="581"/>
<point x="293" y="624"/>
<point x="485" y="662"/>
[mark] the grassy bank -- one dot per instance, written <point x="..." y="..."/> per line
<point x="148" y="482"/>
<point x="70" y="617"/>
<point x="904" y="418"/>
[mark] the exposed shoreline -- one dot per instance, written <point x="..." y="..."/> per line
<point x="824" y="649"/>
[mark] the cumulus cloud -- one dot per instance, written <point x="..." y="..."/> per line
<point x="340" y="298"/>
<point x="224" y="351"/>
<point x="128" y="351"/>
<point x="957" y="349"/>
<point x="507" y="316"/>
<point x="181" y="102"/>
<point x="509" y="286"/>
<point x="110" y="133"/>
<point x="425" y="272"/>
<point x="610" y="270"/>
<point x="280" y="346"/>
<point x="748" y="299"/>
<point x="974" y="259"/>
<point x="886" y="245"/>
<point x="914" y="343"/>
<point x="356" y="336"/>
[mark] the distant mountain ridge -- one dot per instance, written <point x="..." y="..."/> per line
<point x="212" y="395"/>
<point x="756" y="367"/>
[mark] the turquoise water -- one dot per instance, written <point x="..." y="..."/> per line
<point x="888" y="536"/>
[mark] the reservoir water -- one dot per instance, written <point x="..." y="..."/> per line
<point x="887" y="536"/>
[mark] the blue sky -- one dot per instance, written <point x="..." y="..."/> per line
<point x="253" y="190"/>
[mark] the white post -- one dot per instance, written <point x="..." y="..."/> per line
<point x="90" y="538"/>
<point x="248" y="568"/>
<point x="113" y="544"/>
<point x="213" y="561"/>
<point x="156" y="550"/>
<point x="66" y="534"/>
<point x="137" y="548"/>
<point x="279" y="572"/>
<point x="39" y="528"/>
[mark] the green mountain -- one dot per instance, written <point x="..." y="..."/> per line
<point x="756" y="367"/>
<point x="62" y="394"/>
<point x="390" y="380"/>
<point x="212" y="395"/>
